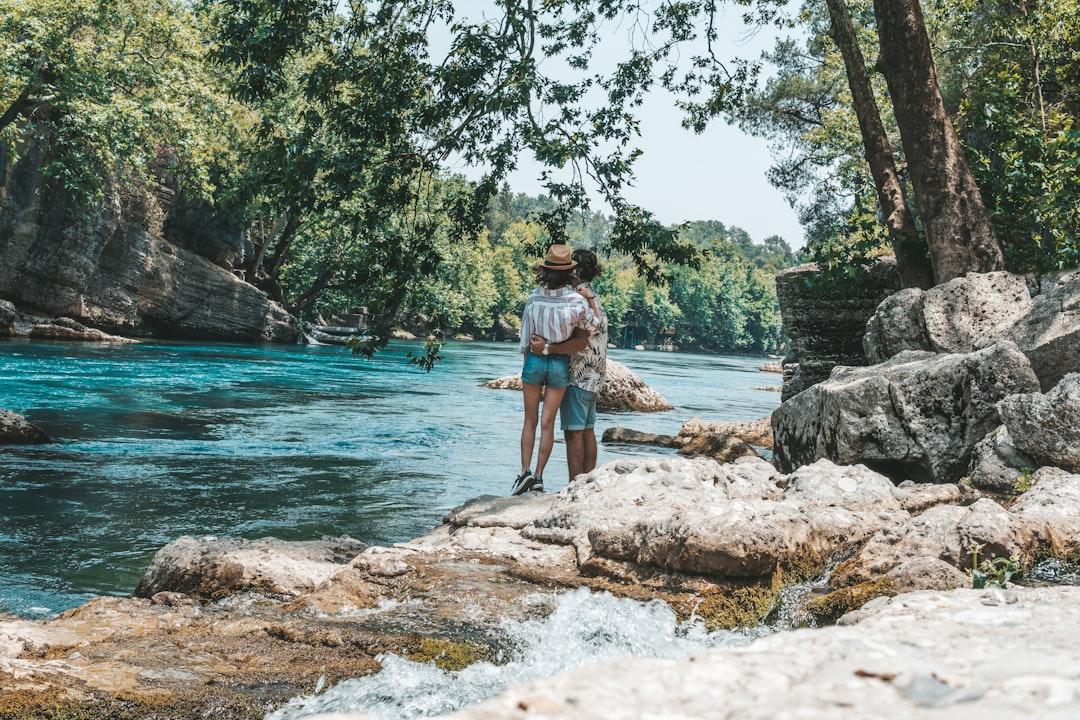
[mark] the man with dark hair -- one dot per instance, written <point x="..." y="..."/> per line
<point x="588" y="363"/>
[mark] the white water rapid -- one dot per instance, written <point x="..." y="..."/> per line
<point x="585" y="627"/>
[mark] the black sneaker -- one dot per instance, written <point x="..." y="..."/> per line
<point x="538" y="486"/>
<point x="523" y="483"/>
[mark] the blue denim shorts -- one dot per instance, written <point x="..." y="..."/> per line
<point x="578" y="409"/>
<point x="550" y="370"/>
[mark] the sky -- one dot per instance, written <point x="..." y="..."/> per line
<point x="682" y="176"/>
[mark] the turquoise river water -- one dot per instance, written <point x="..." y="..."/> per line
<point x="158" y="440"/>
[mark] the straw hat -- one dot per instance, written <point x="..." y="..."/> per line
<point x="559" y="258"/>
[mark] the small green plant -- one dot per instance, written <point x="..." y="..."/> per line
<point x="1023" y="484"/>
<point x="992" y="572"/>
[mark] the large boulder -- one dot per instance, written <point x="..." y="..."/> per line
<point x="954" y="317"/>
<point x="17" y="430"/>
<point x="826" y="324"/>
<point x="210" y="567"/>
<point x="622" y="390"/>
<point x="1047" y="427"/>
<point x="916" y="416"/>
<point x="1049" y="333"/>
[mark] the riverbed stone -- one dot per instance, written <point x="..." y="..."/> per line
<point x="915" y="416"/>
<point x="1046" y="427"/>
<point x="210" y="567"/>
<point x="17" y="430"/>
<point x="629" y="436"/>
<point x="927" y="573"/>
<point x="954" y="317"/>
<point x="721" y="447"/>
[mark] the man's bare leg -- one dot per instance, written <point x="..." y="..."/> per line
<point x="588" y="450"/>
<point x="575" y="451"/>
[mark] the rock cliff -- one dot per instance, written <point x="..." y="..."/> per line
<point x="955" y="367"/>
<point x="116" y="268"/>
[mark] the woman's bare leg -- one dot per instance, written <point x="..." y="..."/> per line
<point x="552" y="400"/>
<point x="531" y="394"/>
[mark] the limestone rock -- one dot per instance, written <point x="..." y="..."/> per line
<point x="500" y="510"/>
<point x="622" y="391"/>
<point x="628" y="436"/>
<point x="17" y="430"/>
<point x="114" y="269"/>
<point x="1049" y="333"/>
<point x="754" y="432"/>
<point x="927" y="573"/>
<point x="943" y="532"/>
<point x="954" y="317"/>
<point x="210" y="567"/>
<point x="64" y="328"/>
<point x="997" y="464"/>
<point x="1047" y="427"/>
<point x="7" y="319"/>
<point x="723" y="448"/>
<point x="1050" y="510"/>
<point x="916" y="497"/>
<point x="826" y="325"/>
<point x="916" y="416"/>
<point x="185" y="295"/>
<point x="733" y="520"/>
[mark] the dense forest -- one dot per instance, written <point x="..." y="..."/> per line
<point x="320" y="133"/>
<point x="726" y="303"/>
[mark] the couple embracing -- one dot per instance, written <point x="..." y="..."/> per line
<point x="564" y="340"/>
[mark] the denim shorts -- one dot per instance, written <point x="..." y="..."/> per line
<point x="550" y="370"/>
<point x="578" y="409"/>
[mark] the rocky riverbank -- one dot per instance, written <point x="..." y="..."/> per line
<point x="879" y="497"/>
<point x="240" y="626"/>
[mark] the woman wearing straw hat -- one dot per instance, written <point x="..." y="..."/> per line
<point x="552" y="311"/>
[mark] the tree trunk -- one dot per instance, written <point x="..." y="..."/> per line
<point x="912" y="254"/>
<point x="951" y="207"/>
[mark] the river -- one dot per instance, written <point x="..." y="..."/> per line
<point x="159" y="440"/>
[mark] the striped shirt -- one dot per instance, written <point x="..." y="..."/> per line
<point x="553" y="315"/>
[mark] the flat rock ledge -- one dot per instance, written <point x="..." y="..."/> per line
<point x="622" y="391"/>
<point x="964" y="654"/>
<point x="242" y="626"/>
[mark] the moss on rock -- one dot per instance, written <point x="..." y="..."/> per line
<point x="447" y="654"/>
<point x="828" y="608"/>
